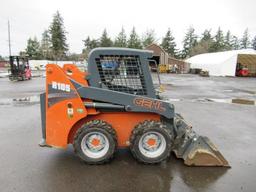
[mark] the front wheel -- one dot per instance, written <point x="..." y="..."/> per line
<point x="151" y="142"/>
<point x="95" y="142"/>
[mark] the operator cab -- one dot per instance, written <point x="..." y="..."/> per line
<point x="125" y="71"/>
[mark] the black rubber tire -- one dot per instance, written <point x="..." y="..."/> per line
<point x="146" y="126"/>
<point x="98" y="126"/>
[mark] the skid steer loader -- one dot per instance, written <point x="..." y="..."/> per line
<point x="114" y="105"/>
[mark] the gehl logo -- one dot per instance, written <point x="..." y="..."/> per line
<point x="149" y="104"/>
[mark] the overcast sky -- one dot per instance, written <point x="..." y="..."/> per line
<point x="30" y="18"/>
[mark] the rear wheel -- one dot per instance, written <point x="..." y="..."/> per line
<point x="95" y="142"/>
<point x="151" y="142"/>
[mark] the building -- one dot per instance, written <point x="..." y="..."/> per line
<point x="162" y="57"/>
<point x="159" y="55"/>
<point x="225" y="63"/>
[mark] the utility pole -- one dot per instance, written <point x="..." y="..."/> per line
<point x="9" y="38"/>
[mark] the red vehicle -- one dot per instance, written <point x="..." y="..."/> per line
<point x="242" y="71"/>
<point x="20" y="69"/>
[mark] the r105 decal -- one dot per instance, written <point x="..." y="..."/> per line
<point x="61" y="86"/>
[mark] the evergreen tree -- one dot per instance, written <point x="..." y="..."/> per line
<point x="245" y="42"/>
<point x="105" y="41"/>
<point x="219" y="42"/>
<point x="120" y="40"/>
<point x="45" y="48"/>
<point x="168" y="44"/>
<point x="254" y="43"/>
<point x="87" y="42"/>
<point x="204" y="45"/>
<point x="227" y="41"/>
<point x="58" y="37"/>
<point x="91" y="44"/>
<point x="134" y="40"/>
<point x="189" y="42"/>
<point x="33" y="48"/>
<point x="234" y="43"/>
<point x="148" y="38"/>
<point x="206" y="36"/>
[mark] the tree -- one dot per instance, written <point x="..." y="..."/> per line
<point x="234" y="42"/>
<point x="148" y="38"/>
<point x="254" y="43"/>
<point x="58" y="37"/>
<point x="227" y="41"/>
<point x="134" y="40"/>
<point x="91" y="44"/>
<point x="206" y="36"/>
<point x="45" y="48"/>
<point x="168" y="44"/>
<point x="33" y="48"/>
<point x="105" y="41"/>
<point x="245" y="42"/>
<point x="120" y="40"/>
<point x="218" y="42"/>
<point x="203" y="46"/>
<point x="189" y="42"/>
<point x="1" y="58"/>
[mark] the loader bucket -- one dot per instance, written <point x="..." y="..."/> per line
<point x="195" y="150"/>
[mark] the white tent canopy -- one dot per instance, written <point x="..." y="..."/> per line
<point x="220" y="63"/>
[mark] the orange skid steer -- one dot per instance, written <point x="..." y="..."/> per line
<point x="114" y="105"/>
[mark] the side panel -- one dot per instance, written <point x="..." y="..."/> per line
<point x="122" y="122"/>
<point x="63" y="105"/>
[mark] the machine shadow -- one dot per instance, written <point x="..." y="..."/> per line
<point x="66" y="172"/>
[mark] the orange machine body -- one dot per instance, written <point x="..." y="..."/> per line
<point x="66" y="113"/>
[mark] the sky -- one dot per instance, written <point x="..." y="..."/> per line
<point x="29" y="18"/>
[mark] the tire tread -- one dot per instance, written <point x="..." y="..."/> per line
<point x="92" y="124"/>
<point x="139" y="130"/>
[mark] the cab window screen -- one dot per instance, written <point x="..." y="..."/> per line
<point x="122" y="73"/>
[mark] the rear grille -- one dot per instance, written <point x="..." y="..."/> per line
<point x="122" y="73"/>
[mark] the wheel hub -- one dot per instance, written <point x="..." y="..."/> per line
<point x="152" y="144"/>
<point x="95" y="144"/>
